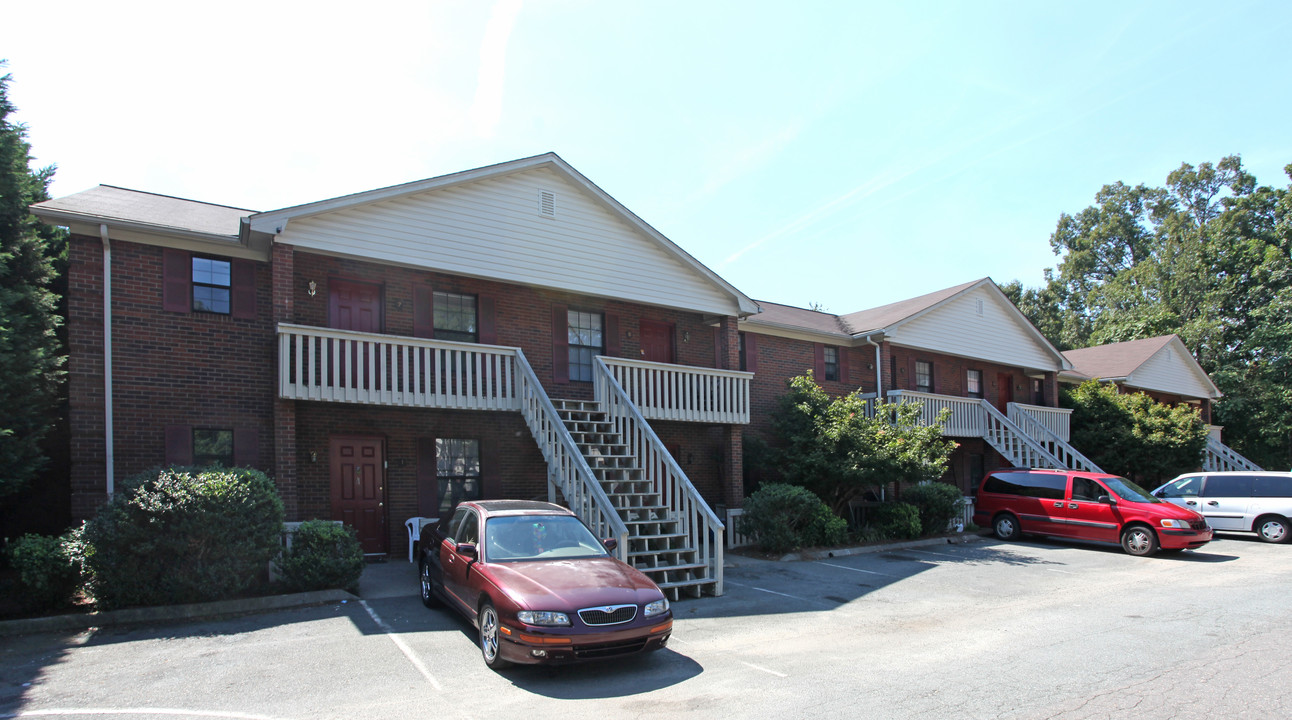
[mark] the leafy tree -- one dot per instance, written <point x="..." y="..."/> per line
<point x="838" y="449"/>
<point x="1134" y="435"/>
<point x="1207" y="256"/>
<point x="30" y="357"/>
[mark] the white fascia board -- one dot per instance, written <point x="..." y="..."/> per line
<point x="794" y="332"/>
<point x="145" y="234"/>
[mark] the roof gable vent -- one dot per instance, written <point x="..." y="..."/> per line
<point x="547" y="203"/>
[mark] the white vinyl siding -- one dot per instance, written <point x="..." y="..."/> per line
<point x="1171" y="370"/>
<point x="996" y="335"/>
<point x="494" y="229"/>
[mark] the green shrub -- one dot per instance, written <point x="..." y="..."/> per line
<point x="324" y="555"/>
<point x="183" y="535"/>
<point x="787" y="517"/>
<point x="898" y="520"/>
<point x="937" y="502"/>
<point x="49" y="569"/>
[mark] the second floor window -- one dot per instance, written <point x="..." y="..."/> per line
<point x="586" y="342"/>
<point x="973" y="383"/>
<point x="212" y="285"/>
<point x="831" y="355"/>
<point x="455" y="317"/>
<point x="924" y="376"/>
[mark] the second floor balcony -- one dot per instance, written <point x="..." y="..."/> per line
<point x="328" y="365"/>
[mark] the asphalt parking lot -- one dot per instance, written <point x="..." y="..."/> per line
<point x="1035" y="629"/>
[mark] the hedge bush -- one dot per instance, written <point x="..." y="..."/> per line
<point x="183" y="535"/>
<point x="900" y="521"/>
<point x="49" y="569"/>
<point x="324" y="555"/>
<point x="937" y="502"/>
<point x="786" y="517"/>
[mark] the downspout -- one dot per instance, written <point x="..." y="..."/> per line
<point x="107" y="358"/>
<point x="879" y="369"/>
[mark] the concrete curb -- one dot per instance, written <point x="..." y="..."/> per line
<point x="170" y="613"/>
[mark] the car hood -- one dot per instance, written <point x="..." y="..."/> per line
<point x="573" y="584"/>
<point x="1171" y="510"/>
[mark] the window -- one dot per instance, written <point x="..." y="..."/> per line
<point x="924" y="376"/>
<point x="457" y="470"/>
<point x="211" y="447"/>
<point x="455" y="317"/>
<point x="973" y="383"/>
<point x="1228" y="486"/>
<point x="1047" y="486"/>
<point x="586" y="342"/>
<point x="1086" y="489"/>
<point x="976" y="471"/>
<point x="831" y="355"/>
<point x="212" y="285"/>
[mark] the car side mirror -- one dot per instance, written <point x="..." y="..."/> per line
<point x="1107" y="500"/>
<point x="610" y="543"/>
<point x="467" y="549"/>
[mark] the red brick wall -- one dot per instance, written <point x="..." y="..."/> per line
<point x="780" y="359"/>
<point x="196" y="369"/>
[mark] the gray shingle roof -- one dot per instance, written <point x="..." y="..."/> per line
<point x="160" y="211"/>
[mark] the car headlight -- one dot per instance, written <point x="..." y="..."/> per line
<point x="657" y="608"/>
<point x="1182" y="524"/>
<point x="542" y="617"/>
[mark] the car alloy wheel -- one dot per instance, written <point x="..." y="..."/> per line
<point x="1139" y="541"/>
<point x="1006" y="527"/>
<point x="1272" y="529"/>
<point x="490" y="638"/>
<point x="428" y="586"/>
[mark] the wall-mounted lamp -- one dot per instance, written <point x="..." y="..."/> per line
<point x="870" y="366"/>
<point x="630" y="334"/>
<point x="399" y="304"/>
<point x="314" y="457"/>
<point x="314" y="288"/>
<point x="686" y="336"/>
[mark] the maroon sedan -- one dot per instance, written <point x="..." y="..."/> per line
<point x="539" y="586"/>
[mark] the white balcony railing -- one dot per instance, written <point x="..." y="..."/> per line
<point x="344" y="366"/>
<point x="1034" y="425"/>
<point x="966" y="419"/>
<point x="1058" y="421"/>
<point x="663" y="391"/>
<point x="1219" y="457"/>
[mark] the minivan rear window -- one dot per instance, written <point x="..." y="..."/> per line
<point x="1228" y="486"/>
<point x="1038" y="485"/>
<point x="1272" y="486"/>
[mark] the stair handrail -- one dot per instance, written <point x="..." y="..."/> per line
<point x="1033" y="427"/>
<point x="616" y="404"/>
<point x="1222" y="457"/>
<point x="565" y="463"/>
<point x="993" y="414"/>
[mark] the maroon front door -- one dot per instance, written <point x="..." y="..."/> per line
<point x="1004" y="391"/>
<point x="354" y="306"/>
<point x="657" y="341"/>
<point x="359" y="488"/>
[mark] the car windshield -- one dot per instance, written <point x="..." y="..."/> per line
<point x="1127" y="490"/>
<point x="539" y="537"/>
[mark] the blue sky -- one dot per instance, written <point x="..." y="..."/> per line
<point x="844" y="153"/>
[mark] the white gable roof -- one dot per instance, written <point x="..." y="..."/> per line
<point x="535" y="221"/>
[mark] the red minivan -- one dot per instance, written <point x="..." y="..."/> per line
<point x="1085" y="506"/>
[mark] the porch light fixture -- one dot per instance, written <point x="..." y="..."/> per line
<point x="686" y="336"/>
<point x="314" y="288"/>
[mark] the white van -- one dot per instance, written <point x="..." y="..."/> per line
<point x="1259" y="502"/>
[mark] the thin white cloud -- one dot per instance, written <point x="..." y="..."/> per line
<point x="486" y="108"/>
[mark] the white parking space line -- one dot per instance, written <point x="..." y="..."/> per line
<point x="170" y="712"/>
<point x="773" y="592"/>
<point x="930" y="552"/>
<point x="1065" y="572"/>
<point x="408" y="652"/>
<point x="845" y="567"/>
<point x="763" y="669"/>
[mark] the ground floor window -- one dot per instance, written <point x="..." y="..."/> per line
<point x="457" y="469"/>
<point x="211" y="447"/>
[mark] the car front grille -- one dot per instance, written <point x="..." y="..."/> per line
<point x="1198" y="524"/>
<point x="608" y="614"/>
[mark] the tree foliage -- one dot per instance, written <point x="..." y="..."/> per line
<point x="1207" y="256"/>
<point x="839" y="450"/>
<point x="1133" y="435"/>
<point x="30" y="357"/>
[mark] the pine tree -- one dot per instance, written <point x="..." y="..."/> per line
<point x="31" y="358"/>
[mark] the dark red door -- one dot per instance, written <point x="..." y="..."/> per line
<point x="1004" y="391"/>
<point x="354" y="306"/>
<point x="657" y="341"/>
<point x="358" y="471"/>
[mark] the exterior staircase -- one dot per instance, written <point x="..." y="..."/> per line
<point x="659" y="544"/>
<point x="1219" y="457"/>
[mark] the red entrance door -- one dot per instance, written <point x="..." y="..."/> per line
<point x="657" y="341"/>
<point x="355" y="306"/>
<point x="359" y="488"/>
<point x="1004" y="391"/>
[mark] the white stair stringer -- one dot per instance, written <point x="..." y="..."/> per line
<point x="1019" y="448"/>
<point x="1069" y="458"/>
<point x="659" y="543"/>
<point x="1219" y="457"/>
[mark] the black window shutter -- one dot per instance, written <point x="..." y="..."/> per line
<point x="560" y="344"/>
<point x="488" y="320"/>
<point x="818" y="362"/>
<point x="243" y="289"/>
<point x="612" y="335"/>
<point x="177" y="281"/>
<point x="751" y="353"/>
<point x="423" y="312"/>
<point x="843" y="364"/>
<point x="179" y="444"/>
<point x="246" y="447"/>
